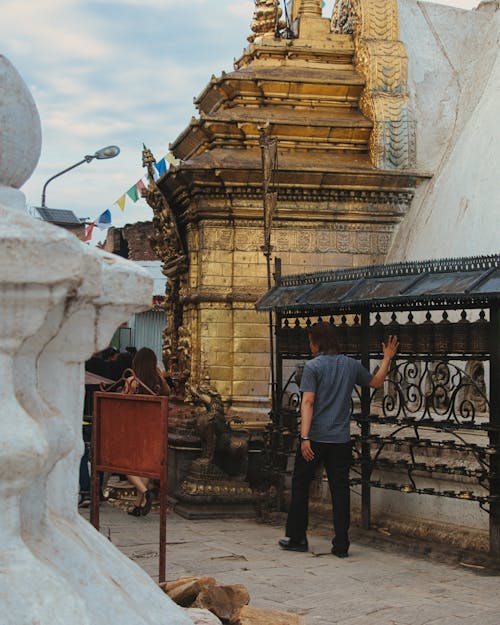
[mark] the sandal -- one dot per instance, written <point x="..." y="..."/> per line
<point x="146" y="508"/>
<point x="135" y="511"/>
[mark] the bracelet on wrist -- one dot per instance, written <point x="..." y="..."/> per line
<point x="303" y="438"/>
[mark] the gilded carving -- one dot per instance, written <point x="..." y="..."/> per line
<point x="380" y="75"/>
<point x="266" y="19"/>
<point x="219" y="238"/>
<point x="348" y="239"/>
<point x="324" y="241"/>
<point x="248" y="240"/>
<point x="344" y="241"/>
<point x="281" y="239"/>
<point x="377" y="19"/>
<point x="166" y="241"/>
<point x="392" y="141"/>
<point x="184" y="351"/>
<point x="381" y="59"/>
<point x="364" y="242"/>
<point x="168" y="247"/>
<point x="305" y="241"/>
<point x="367" y="19"/>
<point x="342" y="18"/>
<point x="384" y="240"/>
<point x="304" y="195"/>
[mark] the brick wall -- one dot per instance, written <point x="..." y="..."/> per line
<point x="132" y="241"/>
<point x="138" y="236"/>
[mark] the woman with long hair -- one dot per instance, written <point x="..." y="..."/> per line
<point x="146" y="379"/>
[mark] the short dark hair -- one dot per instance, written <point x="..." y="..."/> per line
<point x="324" y="335"/>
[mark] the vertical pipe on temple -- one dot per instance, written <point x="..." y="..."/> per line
<point x="365" y="426"/>
<point x="269" y="154"/>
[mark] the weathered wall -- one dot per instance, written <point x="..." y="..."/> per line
<point x="132" y="240"/>
<point x="454" y="80"/>
<point x="138" y="237"/>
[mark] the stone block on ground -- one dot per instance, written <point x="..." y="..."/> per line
<point x="254" y="616"/>
<point x="200" y="616"/>
<point x="185" y="589"/>
<point x="224" y="601"/>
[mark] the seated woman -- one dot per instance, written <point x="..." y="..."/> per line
<point x="146" y="380"/>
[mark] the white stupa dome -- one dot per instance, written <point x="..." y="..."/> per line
<point x="20" y="130"/>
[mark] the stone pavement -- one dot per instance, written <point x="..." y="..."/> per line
<point x="376" y="585"/>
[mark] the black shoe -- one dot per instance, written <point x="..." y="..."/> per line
<point x="340" y="554"/>
<point x="293" y="545"/>
<point x="146" y="508"/>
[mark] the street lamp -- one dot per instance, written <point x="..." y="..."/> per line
<point x="108" y="152"/>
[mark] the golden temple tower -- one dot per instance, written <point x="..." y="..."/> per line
<point x="333" y="96"/>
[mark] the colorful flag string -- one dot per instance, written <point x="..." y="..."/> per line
<point x="134" y="193"/>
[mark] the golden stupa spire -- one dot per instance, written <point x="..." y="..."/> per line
<point x="310" y="8"/>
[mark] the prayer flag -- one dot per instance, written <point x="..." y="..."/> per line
<point x="161" y="167"/>
<point x="104" y="220"/>
<point x="140" y="186"/>
<point x="89" y="228"/>
<point x="121" y="202"/>
<point x="133" y="193"/>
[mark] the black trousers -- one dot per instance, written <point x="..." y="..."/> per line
<point x="336" y="458"/>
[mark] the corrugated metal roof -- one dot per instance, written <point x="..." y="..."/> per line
<point x="457" y="282"/>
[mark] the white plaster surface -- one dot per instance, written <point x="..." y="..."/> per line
<point x="454" y="82"/>
<point x="20" y="130"/>
<point x="59" y="302"/>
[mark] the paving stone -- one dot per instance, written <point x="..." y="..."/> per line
<point x="254" y="616"/>
<point x="372" y="587"/>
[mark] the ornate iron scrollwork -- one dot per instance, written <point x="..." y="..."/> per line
<point x="440" y="391"/>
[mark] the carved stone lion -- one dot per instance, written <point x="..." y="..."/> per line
<point x="220" y="444"/>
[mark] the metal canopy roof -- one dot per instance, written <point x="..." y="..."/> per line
<point x="452" y="282"/>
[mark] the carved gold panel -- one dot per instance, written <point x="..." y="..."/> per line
<point x="382" y="60"/>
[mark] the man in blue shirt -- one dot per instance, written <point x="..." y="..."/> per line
<point x="327" y="384"/>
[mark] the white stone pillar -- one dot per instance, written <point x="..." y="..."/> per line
<point x="59" y="301"/>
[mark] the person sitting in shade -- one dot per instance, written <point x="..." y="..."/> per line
<point x="146" y="380"/>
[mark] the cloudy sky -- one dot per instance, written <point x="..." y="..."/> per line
<point x="120" y="72"/>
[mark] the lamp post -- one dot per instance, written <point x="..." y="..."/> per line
<point x="108" y="152"/>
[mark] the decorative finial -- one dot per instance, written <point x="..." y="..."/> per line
<point x="148" y="160"/>
<point x="266" y="18"/>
